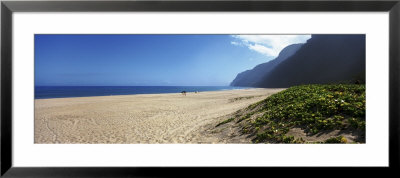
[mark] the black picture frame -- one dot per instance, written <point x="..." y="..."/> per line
<point x="8" y="7"/>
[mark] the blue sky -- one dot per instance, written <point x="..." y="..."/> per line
<point x="152" y="60"/>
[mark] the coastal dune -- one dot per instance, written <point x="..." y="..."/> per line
<point x="143" y="118"/>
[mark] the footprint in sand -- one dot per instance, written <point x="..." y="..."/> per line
<point x="76" y="121"/>
<point x="93" y="121"/>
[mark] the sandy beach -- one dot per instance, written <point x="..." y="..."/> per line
<point x="145" y="118"/>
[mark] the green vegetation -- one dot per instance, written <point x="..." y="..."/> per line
<point x="338" y="139"/>
<point x="225" y="121"/>
<point x="314" y="108"/>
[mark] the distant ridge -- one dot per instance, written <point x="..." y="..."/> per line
<point x="251" y="77"/>
<point x="323" y="59"/>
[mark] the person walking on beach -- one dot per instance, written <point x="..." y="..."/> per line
<point x="183" y="93"/>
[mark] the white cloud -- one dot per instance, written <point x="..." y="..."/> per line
<point x="263" y="50"/>
<point x="268" y="45"/>
<point x="235" y="43"/>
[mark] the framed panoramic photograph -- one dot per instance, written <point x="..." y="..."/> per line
<point x="114" y="88"/>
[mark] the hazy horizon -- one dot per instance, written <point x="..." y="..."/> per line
<point x="152" y="60"/>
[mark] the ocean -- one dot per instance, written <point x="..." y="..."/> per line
<point x="42" y="92"/>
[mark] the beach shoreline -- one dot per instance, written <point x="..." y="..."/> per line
<point x="49" y="92"/>
<point x="149" y="93"/>
<point x="139" y="118"/>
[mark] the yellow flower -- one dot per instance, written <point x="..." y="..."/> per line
<point x="343" y="140"/>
